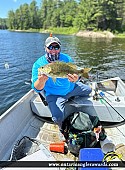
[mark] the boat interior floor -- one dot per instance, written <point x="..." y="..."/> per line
<point x="48" y="133"/>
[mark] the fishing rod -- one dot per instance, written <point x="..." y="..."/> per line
<point x="102" y="96"/>
<point x="116" y="112"/>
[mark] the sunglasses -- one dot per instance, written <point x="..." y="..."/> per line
<point x="56" y="47"/>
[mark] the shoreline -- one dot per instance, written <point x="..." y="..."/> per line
<point x="81" y="33"/>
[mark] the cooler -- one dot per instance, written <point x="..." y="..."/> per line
<point x="91" y="154"/>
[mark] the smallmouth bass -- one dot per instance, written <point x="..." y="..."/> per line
<point x="61" y="69"/>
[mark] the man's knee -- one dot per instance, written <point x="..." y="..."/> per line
<point x="89" y="90"/>
<point x="86" y="89"/>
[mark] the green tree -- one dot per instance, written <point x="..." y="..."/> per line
<point x="34" y="15"/>
<point x="82" y="14"/>
<point x="11" y="20"/>
<point x="69" y="10"/>
<point x="26" y="17"/>
<point x="43" y="14"/>
<point x="3" y="23"/>
<point x="83" y="18"/>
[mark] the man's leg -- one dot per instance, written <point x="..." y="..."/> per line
<point x="79" y="90"/>
<point x="57" y="107"/>
<point x="57" y="103"/>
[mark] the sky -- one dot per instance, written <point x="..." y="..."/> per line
<point x="6" y="5"/>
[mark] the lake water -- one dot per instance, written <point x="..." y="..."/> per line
<point x="18" y="52"/>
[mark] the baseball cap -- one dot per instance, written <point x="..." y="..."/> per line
<point x="51" y="40"/>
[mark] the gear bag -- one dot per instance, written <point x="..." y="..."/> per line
<point x="82" y="131"/>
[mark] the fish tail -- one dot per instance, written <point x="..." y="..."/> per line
<point x="84" y="72"/>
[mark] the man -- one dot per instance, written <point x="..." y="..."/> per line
<point x="57" y="93"/>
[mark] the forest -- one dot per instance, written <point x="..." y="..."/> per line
<point x="82" y="15"/>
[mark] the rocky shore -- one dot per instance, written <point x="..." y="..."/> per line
<point x="91" y="34"/>
<point x="104" y="34"/>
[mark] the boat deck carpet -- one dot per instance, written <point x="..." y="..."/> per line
<point x="49" y="133"/>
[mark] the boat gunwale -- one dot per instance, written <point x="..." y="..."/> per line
<point x="16" y="104"/>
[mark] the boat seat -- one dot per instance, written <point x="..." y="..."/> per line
<point x="39" y="108"/>
<point x="109" y="85"/>
<point x="43" y="98"/>
<point x="42" y="110"/>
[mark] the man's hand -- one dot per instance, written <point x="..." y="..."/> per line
<point x="42" y="78"/>
<point x="40" y="82"/>
<point x="73" y="77"/>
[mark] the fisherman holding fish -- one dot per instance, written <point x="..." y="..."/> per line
<point x="55" y="74"/>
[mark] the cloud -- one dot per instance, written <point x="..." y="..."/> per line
<point x="15" y="0"/>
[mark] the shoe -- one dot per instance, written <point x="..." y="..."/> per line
<point x="61" y="136"/>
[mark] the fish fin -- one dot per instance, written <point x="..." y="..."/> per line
<point x="54" y="79"/>
<point x="72" y="65"/>
<point x="39" y="72"/>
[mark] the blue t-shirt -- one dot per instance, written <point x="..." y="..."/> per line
<point x="61" y="86"/>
